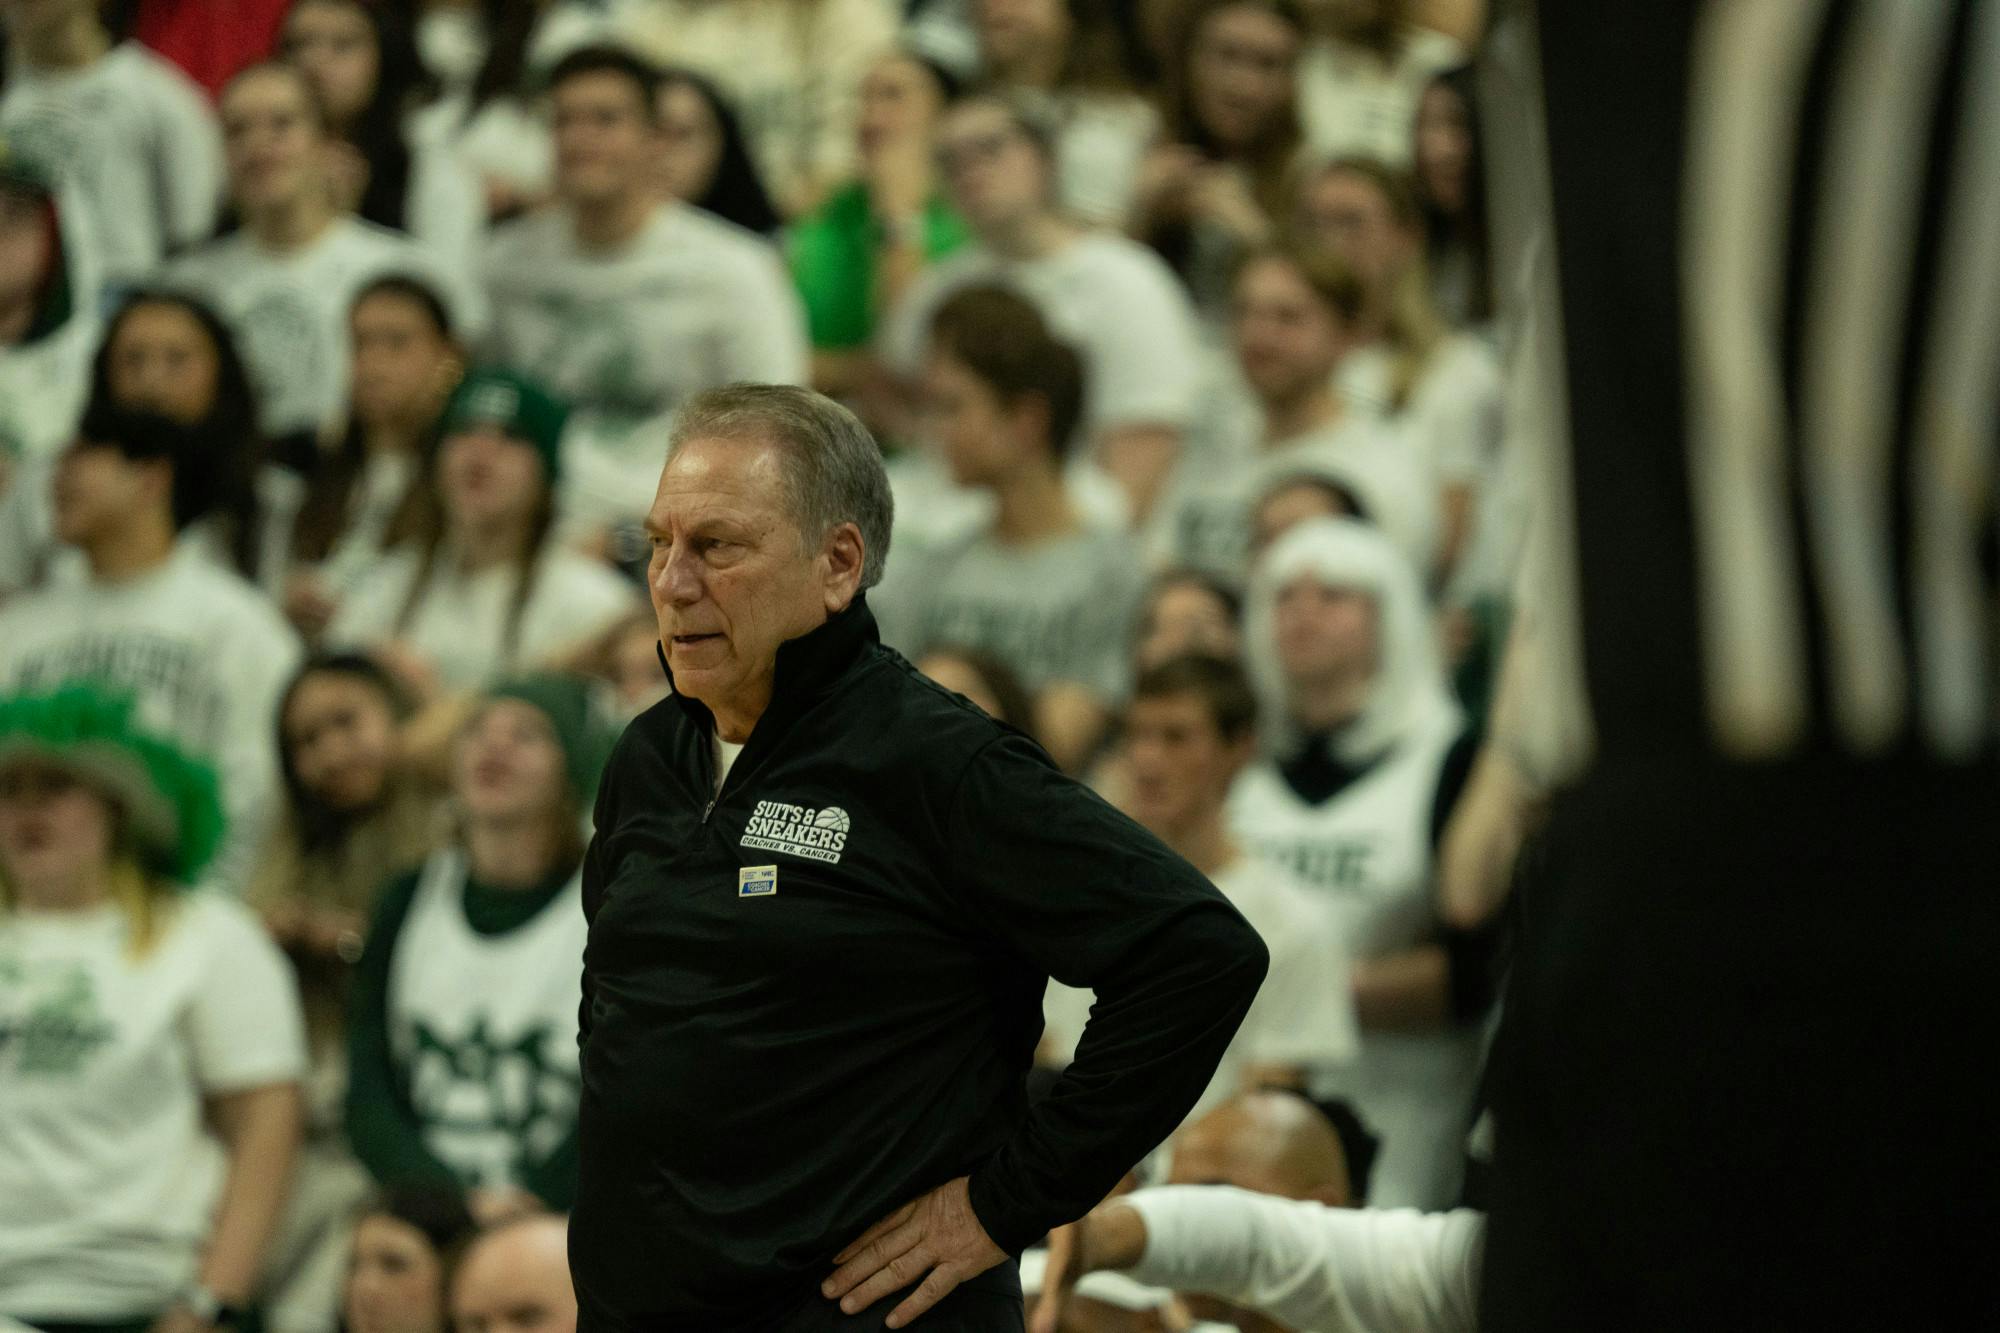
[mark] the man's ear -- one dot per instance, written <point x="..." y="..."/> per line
<point x="844" y="555"/>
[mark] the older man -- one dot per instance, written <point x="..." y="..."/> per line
<point x="512" y="1279"/>
<point x="825" y="897"/>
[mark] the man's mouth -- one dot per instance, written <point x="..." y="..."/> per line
<point x="688" y="640"/>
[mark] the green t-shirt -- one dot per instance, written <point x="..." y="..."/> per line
<point x="833" y="263"/>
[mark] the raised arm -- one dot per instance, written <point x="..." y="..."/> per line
<point x="1312" y="1268"/>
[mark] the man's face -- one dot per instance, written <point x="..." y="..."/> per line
<point x="1324" y="633"/>
<point x="1287" y="340"/>
<point x="98" y="490"/>
<point x="994" y="172"/>
<point x="276" y="150"/>
<point x="971" y="425"/>
<point x="516" y="1282"/>
<point x="731" y="575"/>
<point x="1181" y="763"/>
<point x="606" y="141"/>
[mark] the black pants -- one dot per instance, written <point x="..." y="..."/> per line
<point x="1737" y="1080"/>
<point x="989" y="1303"/>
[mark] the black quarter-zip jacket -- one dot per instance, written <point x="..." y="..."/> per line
<point x="815" y="994"/>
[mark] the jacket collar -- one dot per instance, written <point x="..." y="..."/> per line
<point x="806" y="665"/>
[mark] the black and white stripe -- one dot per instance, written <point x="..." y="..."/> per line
<point x="1776" y="230"/>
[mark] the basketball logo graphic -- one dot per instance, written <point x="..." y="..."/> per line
<point x="832" y="817"/>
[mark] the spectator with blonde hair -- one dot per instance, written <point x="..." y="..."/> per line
<point x="138" y="1014"/>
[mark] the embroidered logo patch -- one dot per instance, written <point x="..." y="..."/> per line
<point x="756" y="881"/>
<point x="797" y="830"/>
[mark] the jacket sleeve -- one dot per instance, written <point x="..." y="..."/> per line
<point x="1093" y="899"/>
<point x="382" y="1126"/>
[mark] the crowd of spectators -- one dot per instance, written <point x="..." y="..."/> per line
<point x="339" y="341"/>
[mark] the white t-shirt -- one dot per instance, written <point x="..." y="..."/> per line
<point x="460" y="623"/>
<point x="141" y="143"/>
<point x="289" y="311"/>
<point x="42" y="389"/>
<point x="1303" y="1014"/>
<point x="1205" y="518"/>
<point x="726" y="755"/>
<point x="1351" y="104"/>
<point x="692" y="302"/>
<point x="793" y="71"/>
<point x="1110" y="297"/>
<point x="109" y="1176"/>
<point x="1059" y="610"/>
<point x="1101" y="140"/>
<point x="1312" y="1268"/>
<point x="484" y="1026"/>
<point x="1366" y="852"/>
<point x="204" y="653"/>
<point x="1454" y="410"/>
<point x="507" y="138"/>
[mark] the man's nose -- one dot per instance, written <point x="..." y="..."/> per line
<point x="677" y="581"/>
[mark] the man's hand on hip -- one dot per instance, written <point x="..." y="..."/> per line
<point x="935" y="1238"/>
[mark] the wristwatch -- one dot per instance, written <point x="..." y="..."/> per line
<point x="210" y="1308"/>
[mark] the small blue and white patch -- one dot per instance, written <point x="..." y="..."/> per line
<point x="756" y="881"/>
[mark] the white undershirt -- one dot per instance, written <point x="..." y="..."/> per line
<point x="725" y="759"/>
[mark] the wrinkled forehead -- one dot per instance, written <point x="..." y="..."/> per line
<point x="737" y="477"/>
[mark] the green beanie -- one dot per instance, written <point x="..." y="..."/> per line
<point x="582" y="731"/>
<point x="171" y="805"/>
<point x="521" y="408"/>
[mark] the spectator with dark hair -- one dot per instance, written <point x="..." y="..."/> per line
<point x="48" y="328"/>
<point x="626" y="657"/>
<point x="1085" y="58"/>
<point x="404" y="1247"/>
<point x="1365" y="756"/>
<point x="1448" y="165"/>
<point x="857" y="254"/>
<point x="1188" y="613"/>
<point x="169" y="353"/>
<point x="791" y="67"/>
<point x="483" y="588"/>
<point x="1190" y="729"/>
<point x="704" y="160"/>
<point x="136" y="137"/>
<point x="149" y="1104"/>
<point x="626" y="303"/>
<point x="48" y="320"/>
<point x="515" y="1276"/>
<point x="984" y="679"/>
<point x="362" y="496"/>
<point x="359" y="811"/>
<point x="997" y="160"/>
<point x="362" y="59"/>
<point x="463" y="1024"/>
<point x="1296" y="318"/>
<point x="491" y="57"/>
<point x="1216" y="184"/>
<point x="204" y="652"/>
<point x="1039" y="587"/>
<point x="284" y="282"/>
<point x="1363" y="73"/>
<point x="1440" y="390"/>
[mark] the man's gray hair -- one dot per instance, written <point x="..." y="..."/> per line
<point x="832" y="465"/>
